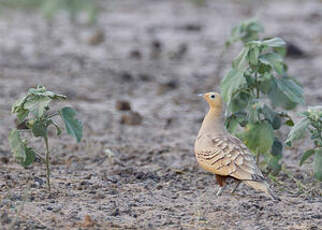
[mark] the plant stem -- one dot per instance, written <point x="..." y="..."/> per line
<point x="47" y="162"/>
<point x="53" y="114"/>
<point x="257" y="158"/>
<point x="257" y="96"/>
<point x="257" y="85"/>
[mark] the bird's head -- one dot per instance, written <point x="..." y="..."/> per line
<point x="213" y="99"/>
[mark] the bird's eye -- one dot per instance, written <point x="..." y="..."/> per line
<point x="212" y="96"/>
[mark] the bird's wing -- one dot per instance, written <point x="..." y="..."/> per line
<point x="226" y="155"/>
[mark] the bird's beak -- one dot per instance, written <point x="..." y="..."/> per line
<point x="200" y="95"/>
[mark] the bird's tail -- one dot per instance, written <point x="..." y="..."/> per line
<point x="264" y="187"/>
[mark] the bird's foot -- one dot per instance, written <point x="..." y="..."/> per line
<point x="220" y="191"/>
<point x="235" y="188"/>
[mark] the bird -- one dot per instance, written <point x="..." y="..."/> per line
<point x="226" y="156"/>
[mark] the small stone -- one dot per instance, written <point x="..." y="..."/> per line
<point x="97" y="38"/>
<point x="156" y="45"/>
<point x="122" y="105"/>
<point x="192" y="27"/>
<point x="156" y="48"/>
<point x="4" y="160"/>
<point x="126" y="76"/>
<point x="39" y="181"/>
<point x="88" y="222"/>
<point x="116" y="212"/>
<point x="167" y="86"/>
<point x="135" y="54"/>
<point x="144" y="77"/>
<point x="180" y="52"/>
<point x="132" y="118"/>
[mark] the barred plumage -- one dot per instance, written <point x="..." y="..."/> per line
<point x="219" y="152"/>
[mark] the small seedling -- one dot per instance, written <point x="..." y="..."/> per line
<point x="311" y="121"/>
<point x="34" y="111"/>
<point x="259" y="75"/>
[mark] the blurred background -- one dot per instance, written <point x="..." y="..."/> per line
<point x="132" y="69"/>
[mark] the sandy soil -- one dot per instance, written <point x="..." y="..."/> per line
<point x="157" y="55"/>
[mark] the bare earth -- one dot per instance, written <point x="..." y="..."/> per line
<point x="157" y="55"/>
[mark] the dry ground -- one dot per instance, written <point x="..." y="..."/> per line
<point x="157" y="55"/>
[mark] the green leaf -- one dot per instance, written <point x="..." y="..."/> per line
<point x="274" y="60"/>
<point x="317" y="165"/>
<point x="273" y="117"/>
<point x="286" y="92"/>
<point x="291" y="89"/>
<point x="273" y="164"/>
<point x="231" y="82"/>
<point x="259" y="137"/>
<point x="42" y="92"/>
<point x="21" y="152"/>
<point x="73" y="126"/>
<point x="233" y="120"/>
<point x="39" y="128"/>
<point x="18" y="108"/>
<point x="274" y="42"/>
<point x="281" y="51"/>
<point x="263" y="68"/>
<point x="277" y="122"/>
<point x="253" y="109"/>
<point x="268" y="113"/>
<point x="239" y="101"/>
<point x="298" y="131"/>
<point x="253" y="55"/>
<point x="16" y="145"/>
<point x="246" y="31"/>
<point x="30" y="157"/>
<point x="35" y="102"/>
<point x="289" y="123"/>
<point x="277" y="148"/>
<point x="265" y="83"/>
<point x="37" y="105"/>
<point x="231" y="123"/>
<point x="306" y="155"/>
<point x="240" y="62"/>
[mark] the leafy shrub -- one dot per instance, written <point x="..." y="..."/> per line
<point x="33" y="111"/>
<point x="259" y="76"/>
<point x="50" y="7"/>
<point x="311" y="121"/>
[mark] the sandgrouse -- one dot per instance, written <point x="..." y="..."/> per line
<point x="219" y="152"/>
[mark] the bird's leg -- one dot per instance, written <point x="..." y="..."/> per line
<point x="235" y="188"/>
<point x="221" y="189"/>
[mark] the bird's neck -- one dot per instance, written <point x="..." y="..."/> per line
<point x="213" y="122"/>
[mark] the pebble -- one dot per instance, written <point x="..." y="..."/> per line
<point x="132" y="118"/>
<point x="123" y="105"/>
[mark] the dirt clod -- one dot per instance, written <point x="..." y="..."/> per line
<point x="97" y="38"/>
<point x="88" y="222"/>
<point x="167" y="86"/>
<point x="136" y="54"/>
<point x="123" y="105"/>
<point x="131" y="118"/>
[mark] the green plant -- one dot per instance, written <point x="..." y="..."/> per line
<point x="33" y="110"/>
<point x="311" y="121"/>
<point x="51" y="7"/>
<point x="246" y="31"/>
<point x="259" y="75"/>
